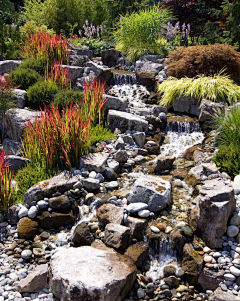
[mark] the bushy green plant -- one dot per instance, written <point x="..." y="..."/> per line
<point x="24" y="78"/>
<point x="66" y="97"/>
<point x="38" y="65"/>
<point x="138" y="33"/>
<point x="98" y="134"/>
<point x="96" y="45"/>
<point x="218" y="87"/>
<point x="30" y="175"/>
<point x="205" y="60"/>
<point x="41" y="92"/>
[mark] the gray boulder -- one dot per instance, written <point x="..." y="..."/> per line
<point x="187" y="105"/>
<point x="73" y="71"/>
<point x="148" y="66"/>
<point x="126" y="121"/>
<point x="8" y="65"/>
<point x="115" y="103"/>
<point x="45" y="189"/>
<point x="91" y="185"/>
<point x="16" y="120"/>
<point x="208" y="109"/>
<point x="110" y="57"/>
<point x="116" y="236"/>
<point x="94" y="161"/>
<point x="20" y="98"/>
<point x="140" y="138"/>
<point x="103" y="73"/>
<point x="12" y="147"/>
<point x="152" y="190"/>
<point x="16" y="162"/>
<point x="88" y="273"/>
<point x="219" y="295"/>
<point x="164" y="163"/>
<point x="215" y="205"/>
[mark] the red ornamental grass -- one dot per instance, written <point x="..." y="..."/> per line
<point x="43" y="45"/>
<point x="7" y="190"/>
<point x="59" y="75"/>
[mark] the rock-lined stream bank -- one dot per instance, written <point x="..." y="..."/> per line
<point x="147" y="217"/>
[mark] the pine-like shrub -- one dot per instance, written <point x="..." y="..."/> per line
<point x="24" y="78"/>
<point x="38" y="65"/>
<point x="204" y="60"/>
<point x="42" y="92"/>
<point x="66" y="97"/>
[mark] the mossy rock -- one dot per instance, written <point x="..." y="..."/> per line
<point x="27" y="228"/>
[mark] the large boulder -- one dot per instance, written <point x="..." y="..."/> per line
<point x="109" y="213"/>
<point x="115" y="103"/>
<point x="208" y="109"/>
<point x="152" y="190"/>
<point x="126" y="121"/>
<point x="219" y="295"/>
<point x="8" y="65"/>
<point x="73" y="71"/>
<point x="12" y="147"/>
<point x="138" y="252"/>
<point x="27" y="228"/>
<point x="94" y="161"/>
<point x="164" y="163"/>
<point x="116" y="236"/>
<point x="187" y="105"/>
<point x="103" y="73"/>
<point x="215" y="205"/>
<point x="54" y="220"/>
<point x="16" y="119"/>
<point x="20" y="98"/>
<point x="148" y="66"/>
<point x="210" y="279"/>
<point x="88" y="273"/>
<point x="110" y="57"/>
<point x="16" y="162"/>
<point x="146" y="79"/>
<point x="45" y="189"/>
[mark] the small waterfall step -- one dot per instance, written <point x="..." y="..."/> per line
<point x="124" y="79"/>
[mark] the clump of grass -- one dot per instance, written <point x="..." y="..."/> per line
<point x="58" y="75"/>
<point x="217" y="88"/>
<point x="98" y="134"/>
<point x="8" y="191"/>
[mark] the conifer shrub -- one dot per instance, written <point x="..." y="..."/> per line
<point x="24" y="77"/>
<point x="204" y="60"/>
<point x="38" y="65"/>
<point x="42" y="92"/>
<point x="66" y="97"/>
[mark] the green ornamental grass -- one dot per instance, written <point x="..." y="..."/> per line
<point x="218" y="87"/>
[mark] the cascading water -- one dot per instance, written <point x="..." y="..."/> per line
<point x="180" y="136"/>
<point x="161" y="256"/>
<point x="124" y="79"/>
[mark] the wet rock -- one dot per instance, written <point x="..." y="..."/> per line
<point x="45" y="189"/>
<point x="138" y="252"/>
<point x="112" y="185"/>
<point x="152" y="190"/>
<point x="91" y="185"/>
<point x="115" y="103"/>
<point x="140" y="138"/>
<point x="136" y="226"/>
<point x="94" y="161"/>
<point x="70" y="266"/>
<point x="210" y="279"/>
<point x="7" y="65"/>
<point x="116" y="236"/>
<point x="113" y="164"/>
<point x="12" y="214"/>
<point x="103" y="73"/>
<point x="191" y="264"/>
<point x="187" y="105"/>
<point x="12" y="147"/>
<point x="215" y="204"/>
<point x="136" y="207"/>
<point x="16" y="162"/>
<point x="110" y="57"/>
<point x="55" y="220"/>
<point x="60" y="202"/>
<point x="16" y="120"/>
<point x="82" y="235"/>
<point x="35" y="281"/>
<point x="121" y="156"/>
<point x="169" y="270"/>
<point x="27" y="228"/>
<point x="146" y="79"/>
<point x="164" y="163"/>
<point x="172" y="281"/>
<point x="219" y="295"/>
<point x="109" y="174"/>
<point x="109" y="213"/>
<point x="126" y="121"/>
<point x="152" y="147"/>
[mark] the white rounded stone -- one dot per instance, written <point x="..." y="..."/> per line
<point x="144" y="213"/>
<point x="229" y="277"/>
<point x="207" y="258"/>
<point x="23" y="212"/>
<point x="155" y="229"/>
<point x="32" y="212"/>
<point x="232" y="231"/>
<point x="235" y="271"/>
<point x="206" y="250"/>
<point x="26" y="254"/>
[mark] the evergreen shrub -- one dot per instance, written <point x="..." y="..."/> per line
<point x="24" y="78"/>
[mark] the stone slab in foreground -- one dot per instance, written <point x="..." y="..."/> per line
<point x="87" y="273"/>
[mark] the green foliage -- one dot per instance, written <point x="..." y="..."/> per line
<point x="215" y="88"/>
<point x="98" y="134"/>
<point x="30" y="175"/>
<point x="96" y="45"/>
<point x="138" y="33"/>
<point x="66" y="97"/>
<point x="207" y="60"/>
<point x="41" y="92"/>
<point x="39" y="65"/>
<point x="9" y="39"/>
<point x="24" y="78"/>
<point x="35" y="10"/>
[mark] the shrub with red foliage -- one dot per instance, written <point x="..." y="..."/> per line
<point x="206" y="60"/>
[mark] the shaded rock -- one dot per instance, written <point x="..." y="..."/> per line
<point x="8" y="65"/>
<point x="60" y="202"/>
<point x="115" y="103"/>
<point x="110" y="57"/>
<point x="148" y="66"/>
<point x="136" y="226"/>
<point x="219" y="295"/>
<point x="12" y="147"/>
<point x="82" y="235"/>
<point x="152" y="147"/>
<point x="164" y="163"/>
<point x="16" y="120"/>
<point x="140" y="138"/>
<point x="45" y="189"/>
<point x="27" y="228"/>
<point x="116" y="236"/>
<point x="215" y="204"/>
<point x="20" y="98"/>
<point x="35" y="281"/>
<point x="191" y="264"/>
<point x="103" y="73"/>
<point x="91" y="185"/>
<point x="169" y="270"/>
<point x="109" y="174"/>
<point x="210" y="279"/>
<point x="73" y="71"/>
<point x="12" y="214"/>
<point x="126" y="121"/>
<point x="94" y="161"/>
<point x="138" y="252"/>
<point x="146" y="79"/>
<point x="178" y="241"/>
<point x="109" y="213"/>
<point x="187" y="105"/>
<point x="152" y="190"/>
<point x="16" y="162"/>
<point x="55" y="220"/>
<point x="208" y="109"/>
<point x="73" y="275"/>
<point x="128" y="139"/>
<point x="121" y="156"/>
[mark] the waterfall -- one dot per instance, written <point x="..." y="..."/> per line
<point x="124" y="79"/>
<point x="180" y="136"/>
